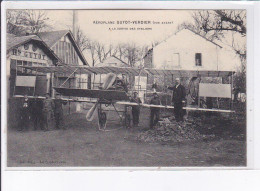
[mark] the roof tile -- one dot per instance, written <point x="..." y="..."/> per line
<point x="50" y="38"/>
<point x="12" y="40"/>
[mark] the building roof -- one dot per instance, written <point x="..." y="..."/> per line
<point x="13" y="41"/>
<point x="151" y="49"/>
<point x="52" y="37"/>
<point x="112" y="61"/>
<point x="203" y="37"/>
<point x="148" y="52"/>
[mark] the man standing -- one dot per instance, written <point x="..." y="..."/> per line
<point x="178" y="99"/>
<point x="58" y="111"/>
<point x="124" y="84"/>
<point x="154" y="118"/>
<point x="36" y="107"/>
<point x="25" y="115"/>
<point x="47" y="112"/>
<point x="154" y="86"/>
<point x="136" y="109"/>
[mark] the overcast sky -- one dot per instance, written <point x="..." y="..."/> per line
<point x="105" y="33"/>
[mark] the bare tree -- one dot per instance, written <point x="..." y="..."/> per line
<point x="86" y="44"/>
<point x="120" y="51"/>
<point x="91" y="48"/>
<point x="98" y="51"/>
<point x="82" y="40"/>
<point x="113" y="50"/>
<point x="102" y="51"/>
<point x="223" y="20"/>
<point x="20" y="22"/>
<point x="216" y="24"/>
<point x="131" y="53"/>
<point x="224" y="25"/>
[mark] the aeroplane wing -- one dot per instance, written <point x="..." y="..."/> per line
<point x="101" y="94"/>
<point x="172" y="107"/>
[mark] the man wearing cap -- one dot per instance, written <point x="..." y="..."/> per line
<point x="47" y="111"/>
<point x="136" y="108"/>
<point x="154" y="117"/>
<point x="58" y="111"/>
<point x="178" y="99"/>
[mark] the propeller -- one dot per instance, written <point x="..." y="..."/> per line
<point x="108" y="82"/>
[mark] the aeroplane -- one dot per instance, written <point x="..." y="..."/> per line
<point x="103" y="95"/>
<point x="106" y="95"/>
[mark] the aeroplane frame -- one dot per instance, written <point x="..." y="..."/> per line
<point x="70" y="71"/>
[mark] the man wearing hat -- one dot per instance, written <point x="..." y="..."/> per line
<point x="58" y="111"/>
<point x="36" y="106"/>
<point x="24" y="113"/>
<point x="154" y="117"/>
<point x="136" y="108"/>
<point x="48" y="106"/>
<point x="178" y="99"/>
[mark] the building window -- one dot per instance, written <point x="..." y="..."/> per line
<point x="15" y="63"/>
<point x="176" y="59"/>
<point x="34" y="48"/>
<point x="25" y="63"/>
<point x="198" y="61"/>
<point x="19" y="63"/>
<point x="26" y="46"/>
<point x="14" y="51"/>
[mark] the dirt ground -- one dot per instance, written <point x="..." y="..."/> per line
<point x="83" y="145"/>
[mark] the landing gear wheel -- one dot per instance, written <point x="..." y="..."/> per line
<point x="102" y="120"/>
<point x="193" y="89"/>
<point x="127" y="121"/>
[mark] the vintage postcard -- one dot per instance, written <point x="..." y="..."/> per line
<point x="126" y="88"/>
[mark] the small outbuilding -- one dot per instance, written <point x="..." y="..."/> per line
<point x="187" y="50"/>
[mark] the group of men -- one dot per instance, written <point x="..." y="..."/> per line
<point x="178" y="100"/>
<point x="41" y="112"/>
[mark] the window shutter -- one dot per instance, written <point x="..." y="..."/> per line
<point x="198" y="59"/>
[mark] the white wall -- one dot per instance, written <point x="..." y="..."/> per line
<point x="178" y="52"/>
<point x="29" y="55"/>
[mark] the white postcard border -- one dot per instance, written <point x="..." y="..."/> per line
<point x="252" y="58"/>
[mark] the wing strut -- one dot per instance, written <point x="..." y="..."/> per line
<point x="68" y="77"/>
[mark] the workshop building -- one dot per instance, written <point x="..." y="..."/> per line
<point x="53" y="48"/>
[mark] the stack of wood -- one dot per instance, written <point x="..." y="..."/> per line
<point x="171" y="131"/>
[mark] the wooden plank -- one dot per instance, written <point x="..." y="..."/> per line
<point x="212" y="110"/>
<point x="105" y="70"/>
<point x="172" y="107"/>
